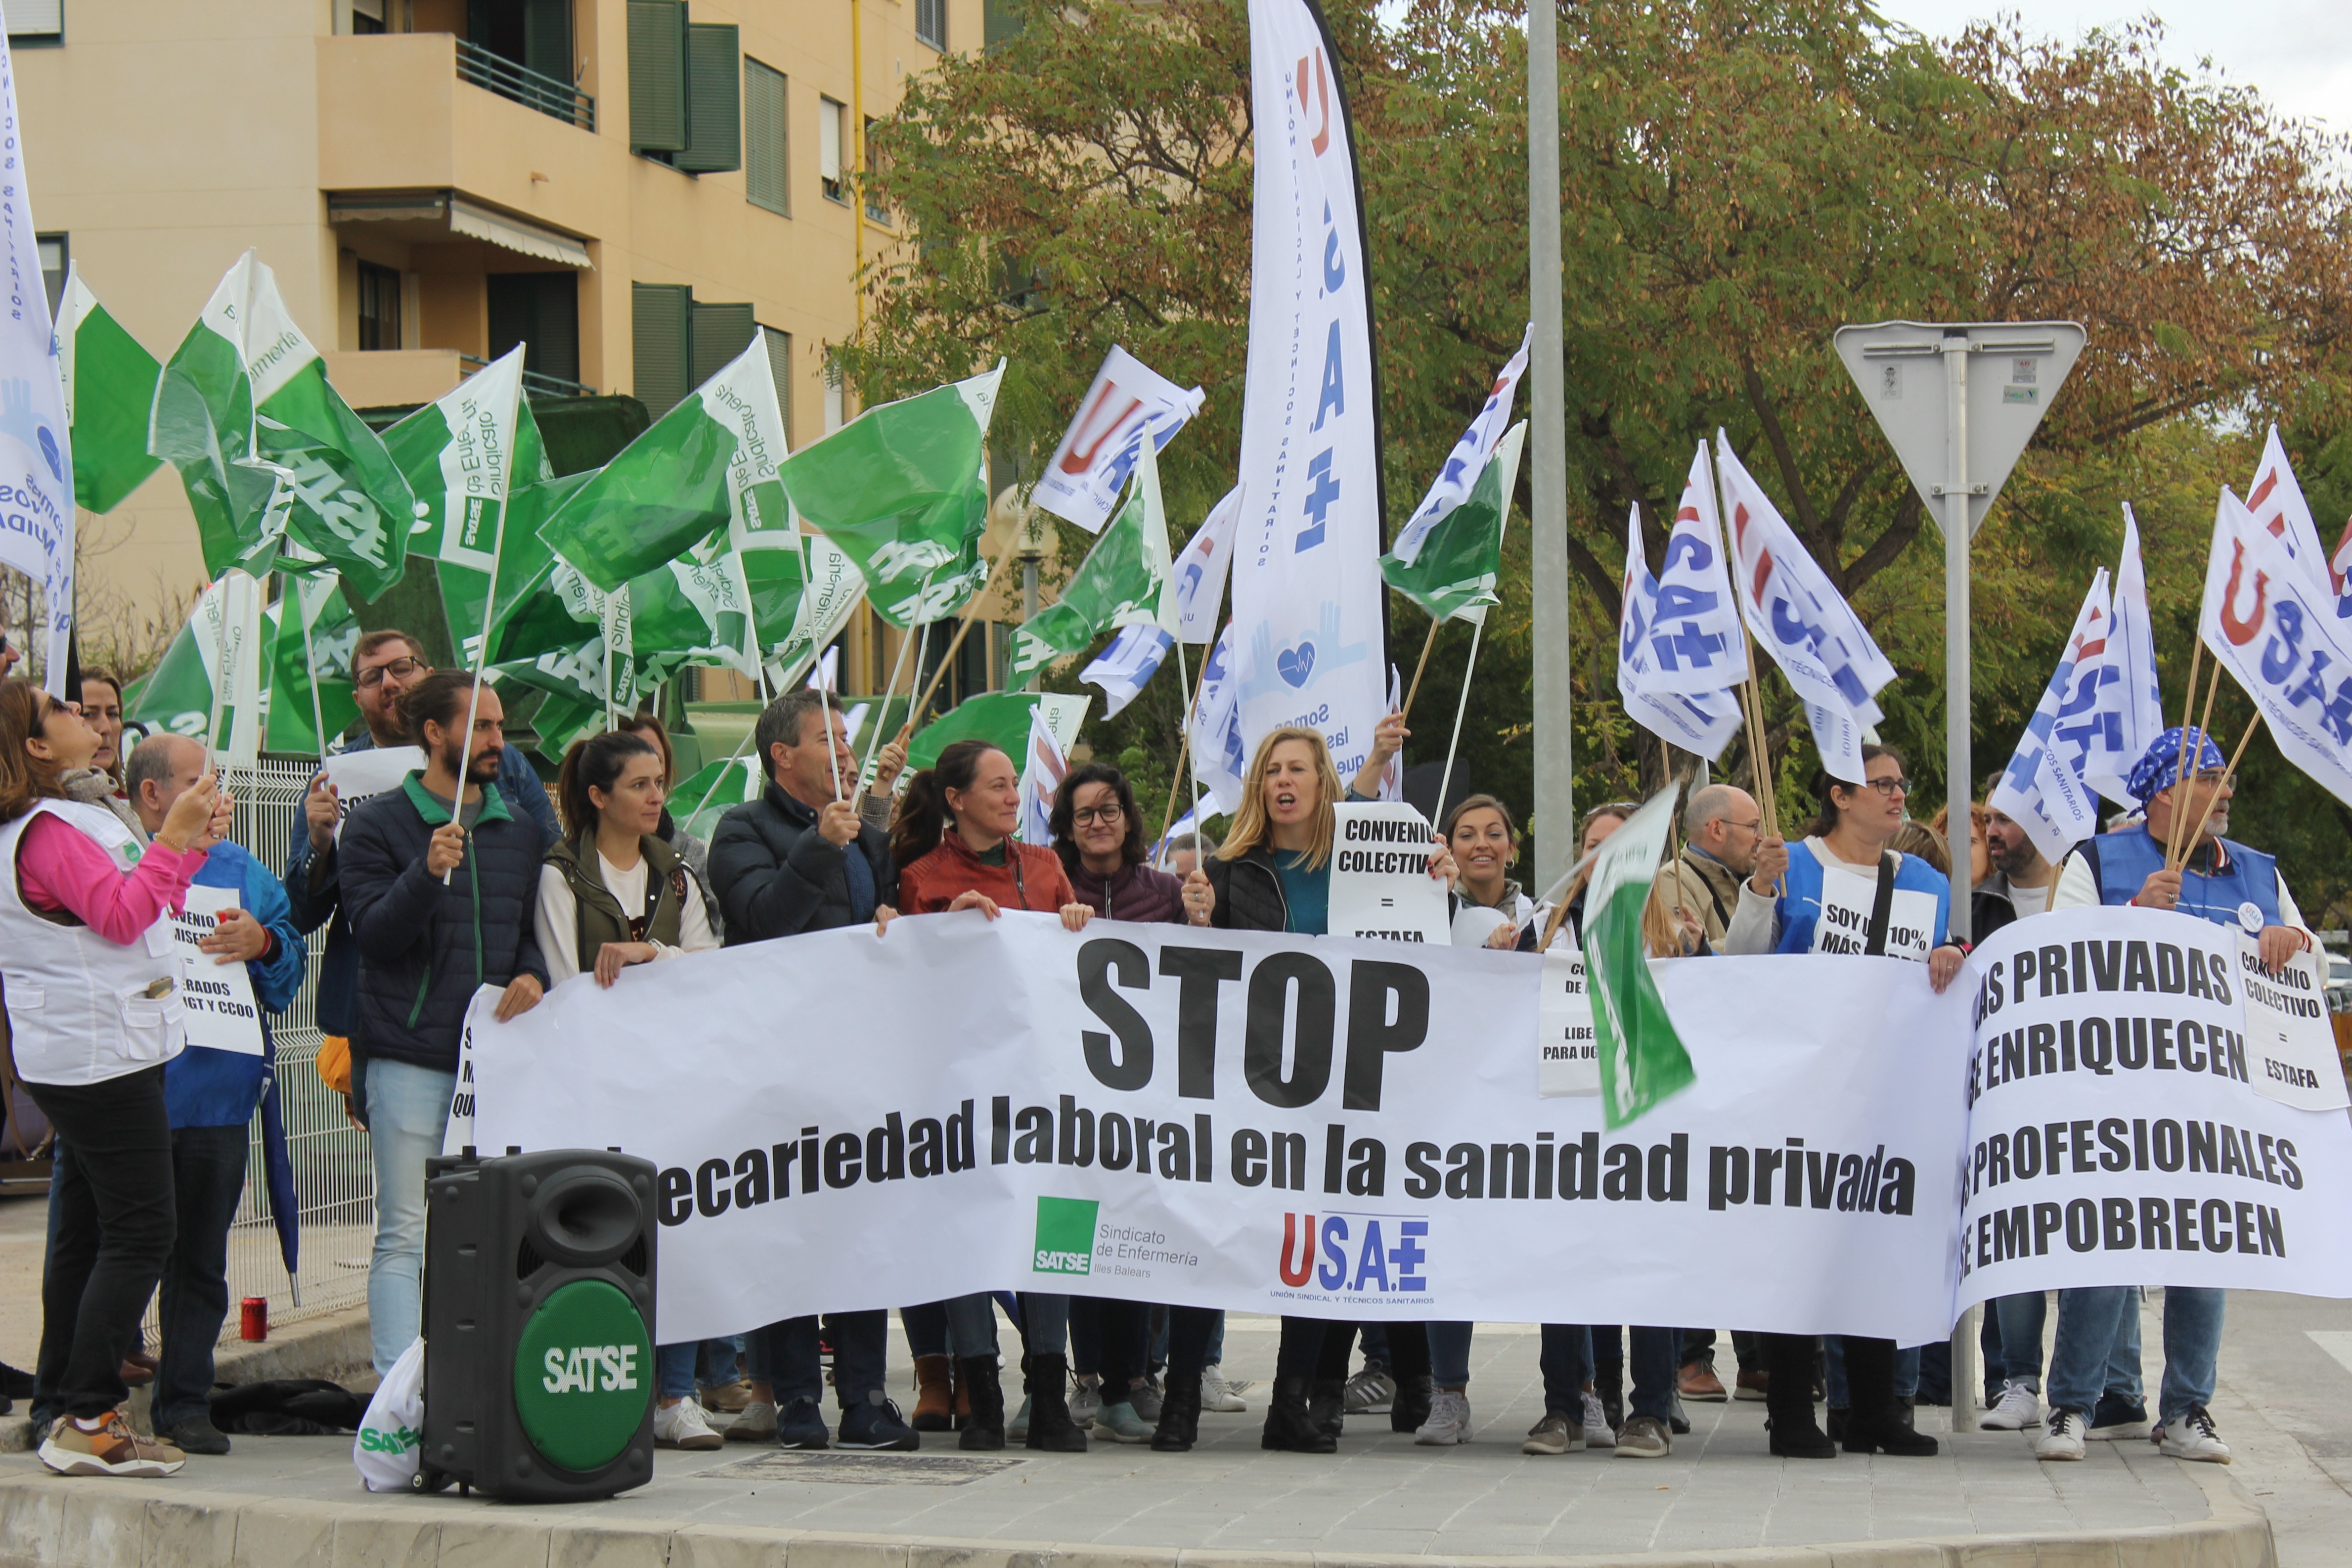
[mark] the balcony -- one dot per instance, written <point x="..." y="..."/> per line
<point x="497" y="74"/>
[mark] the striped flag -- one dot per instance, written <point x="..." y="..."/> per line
<point x="1129" y="660"/>
<point x="1043" y="768"/>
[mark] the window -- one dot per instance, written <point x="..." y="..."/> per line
<point x="720" y="333"/>
<point x="780" y="363"/>
<point x="874" y="211"/>
<point x="379" y="308"/>
<point x="37" y="21"/>
<point x="367" y="16"/>
<point x="998" y="25"/>
<point x="55" y="255"/>
<point x="932" y="23"/>
<point x="539" y="310"/>
<point x="832" y="132"/>
<point x="662" y="343"/>
<point x="657" y="76"/>
<point x="766" y="139"/>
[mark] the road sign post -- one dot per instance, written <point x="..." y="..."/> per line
<point x="1959" y="437"/>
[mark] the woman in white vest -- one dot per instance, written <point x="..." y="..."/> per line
<point x="92" y="995"/>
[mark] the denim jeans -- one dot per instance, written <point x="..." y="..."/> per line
<point x="674" y="1369"/>
<point x="714" y="1366"/>
<point x="2092" y="1326"/>
<point x="1567" y="1366"/>
<point x="926" y="1328"/>
<point x="1044" y="1324"/>
<point x="2023" y="1319"/>
<point x="971" y="1323"/>
<point x="1449" y="1354"/>
<point x="1907" y="1371"/>
<point x="1216" y="1350"/>
<point x="1375" y="1340"/>
<point x="1656" y="1366"/>
<point x="208" y="1183"/>
<point x="860" y="1345"/>
<point x="408" y="1111"/>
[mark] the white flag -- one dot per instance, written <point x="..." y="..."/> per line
<point x="1307" y="592"/>
<point x="36" y="524"/>
<point x="1691" y="620"/>
<point x="1089" y="468"/>
<point x="1220" y="756"/>
<point x="2042" y="788"/>
<point x="2279" y="638"/>
<point x="1125" y="663"/>
<point x="228" y="639"/>
<point x="1803" y="622"/>
<point x="1468" y="458"/>
<point x="1043" y="768"/>
<point x="2128" y="711"/>
<point x="1200" y="568"/>
<point x="1702" y="722"/>
<point x="2276" y="504"/>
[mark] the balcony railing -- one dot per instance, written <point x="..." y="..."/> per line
<point x="535" y="383"/>
<point x="496" y="73"/>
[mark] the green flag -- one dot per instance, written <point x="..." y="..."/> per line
<point x="1449" y="566"/>
<point x="698" y="802"/>
<point x="543" y="603"/>
<point x="901" y="491"/>
<point x="819" y="612"/>
<point x="1002" y="718"/>
<point x="709" y="463"/>
<point x="177" y="696"/>
<point x="1123" y="582"/>
<point x="109" y="387"/>
<point x="317" y="600"/>
<point x="202" y="425"/>
<point x="685" y="613"/>
<point x="1642" y="1058"/>
<point x="460" y="458"/>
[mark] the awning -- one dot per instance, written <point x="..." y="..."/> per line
<point x="459" y="215"/>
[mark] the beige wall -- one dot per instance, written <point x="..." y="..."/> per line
<point x="165" y="139"/>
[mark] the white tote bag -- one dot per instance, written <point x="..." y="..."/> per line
<point x="386" y="1448"/>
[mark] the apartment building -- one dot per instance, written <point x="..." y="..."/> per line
<point x="637" y="189"/>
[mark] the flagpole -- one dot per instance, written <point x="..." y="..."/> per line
<point x="481" y="656"/>
<point x="873" y="739"/>
<point x="971" y="608"/>
<point x="221" y="675"/>
<point x="1477" y="630"/>
<point x="825" y="709"/>
<point x="1191" y="711"/>
<point x="310" y="667"/>
<point x="1427" y="643"/>
<point x="2194" y="742"/>
<point x="2188" y="709"/>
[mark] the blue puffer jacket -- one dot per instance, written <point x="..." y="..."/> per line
<point x="207" y="1087"/>
<point x="425" y="948"/>
<point x="313" y="886"/>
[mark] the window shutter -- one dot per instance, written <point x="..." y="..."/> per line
<point x="547" y="38"/>
<point x="767" y="143"/>
<point x="720" y="332"/>
<point x="714" y="100"/>
<point x="932" y="23"/>
<point x="828" y="143"/>
<point x="662" y="326"/>
<point x="780" y="361"/>
<point x="656" y="76"/>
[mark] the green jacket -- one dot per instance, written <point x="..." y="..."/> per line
<point x="601" y="917"/>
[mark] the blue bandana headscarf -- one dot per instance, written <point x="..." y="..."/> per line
<point x="2160" y="768"/>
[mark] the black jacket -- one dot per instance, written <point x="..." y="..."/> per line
<point x="1249" y="893"/>
<point x="775" y="875"/>
<point x="425" y="948"/>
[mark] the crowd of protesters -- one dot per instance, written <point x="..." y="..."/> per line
<point x="465" y="874"/>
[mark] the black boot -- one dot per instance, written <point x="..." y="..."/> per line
<point x="1050" y="1426"/>
<point x="1287" y="1426"/>
<point x="1180" y="1412"/>
<point x="1788" y="1400"/>
<point x="1409" y="1409"/>
<point x="984" y="1429"/>
<point x="1327" y="1407"/>
<point x="1839" y="1418"/>
<point x="1878" y="1422"/>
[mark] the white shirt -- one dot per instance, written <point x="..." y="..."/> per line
<point x="559" y="916"/>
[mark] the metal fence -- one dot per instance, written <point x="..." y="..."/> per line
<point x="497" y="74"/>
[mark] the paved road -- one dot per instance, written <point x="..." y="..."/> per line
<point x="2285" y="1406"/>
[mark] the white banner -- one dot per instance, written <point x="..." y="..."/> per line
<point x="2290" y="1042"/>
<point x="1253" y="1121"/>
<point x="218" y="997"/>
<point x="36" y="488"/>
<point x="1701" y="722"/>
<point x="1381" y="887"/>
<point x="2127" y="712"/>
<point x="2116" y="1134"/>
<point x="1306" y="580"/>
<point x="2279" y="638"/>
<point x="1568" y="1054"/>
<point x="1098" y="452"/>
<point x="358" y="775"/>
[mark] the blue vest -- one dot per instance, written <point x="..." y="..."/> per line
<point x="1800" y="906"/>
<point x="2122" y="861"/>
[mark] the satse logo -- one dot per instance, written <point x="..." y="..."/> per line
<point x="1355" y="1252"/>
<point x="1065" y="1236"/>
<point x="590" y="1369"/>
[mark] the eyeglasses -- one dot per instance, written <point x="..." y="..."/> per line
<point x="2211" y="781"/>
<point x="1087" y="816"/>
<point x="1755" y="827"/>
<point x="1891" y="788"/>
<point x="374" y="674"/>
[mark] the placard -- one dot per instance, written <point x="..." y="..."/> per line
<point x="218" y="998"/>
<point x="1568" y="1059"/>
<point x="1847" y="899"/>
<point x="358" y="775"/>
<point x="2290" y="1042"/>
<point x="1381" y="887"/>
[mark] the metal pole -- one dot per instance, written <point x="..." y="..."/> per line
<point x="1555" y="757"/>
<point x="1958" y="831"/>
<point x="1029" y="611"/>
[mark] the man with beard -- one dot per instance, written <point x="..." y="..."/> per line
<point x="439" y="881"/>
<point x="2021" y="880"/>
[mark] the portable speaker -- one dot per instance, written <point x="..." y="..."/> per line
<point x="538" y="1311"/>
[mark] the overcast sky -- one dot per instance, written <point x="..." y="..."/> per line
<point x="2296" y="53"/>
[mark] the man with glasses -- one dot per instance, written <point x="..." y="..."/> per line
<point x="384" y="664"/>
<point x="2229" y="884"/>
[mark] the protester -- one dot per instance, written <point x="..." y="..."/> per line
<point x="2184" y="790"/>
<point x="385" y="664"/>
<point x="1927" y="843"/>
<point x="8" y="654"/>
<point x="1595" y="831"/>
<point x="101" y="705"/>
<point x="2020" y="882"/>
<point x="1181" y="856"/>
<point x="438" y="881"/>
<point x="690" y="849"/>
<point x="799" y="859"/>
<point x="1980" y="846"/>
<point x="1274" y="873"/>
<point x="210" y="1095"/>
<point x="89" y="975"/>
<point x="1485" y="845"/>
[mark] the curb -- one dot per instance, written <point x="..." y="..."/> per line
<point x="45" y="1522"/>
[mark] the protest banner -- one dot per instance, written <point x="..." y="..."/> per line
<point x="357" y="775"/>
<point x="1568" y="1052"/>
<point x="458" y="1134"/>
<point x="1249" y="1120"/>
<point x="1381" y="887"/>
<point x="216" y="997"/>
<point x="1128" y="399"/>
<point x="2116" y="1132"/>
<point x="2290" y="1044"/>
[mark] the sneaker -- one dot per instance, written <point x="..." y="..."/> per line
<point x="196" y="1434"/>
<point x="756" y="1423"/>
<point x="2117" y="1418"/>
<point x="1644" y="1437"/>
<point x="1449" y="1420"/>
<point x="1751" y="1385"/>
<point x="1120" y="1424"/>
<point x="1018" y="1427"/>
<point x="800" y="1424"/>
<point x="683" y="1425"/>
<point x="2018" y="1407"/>
<point x="1553" y="1435"/>
<point x="1370" y="1391"/>
<point x="1086" y="1400"/>
<point x="727" y="1399"/>
<point x="1218" y="1395"/>
<point x="2062" y="1437"/>
<point x="878" y="1424"/>
<point x="1699" y="1382"/>
<point x="1598" y="1433"/>
<point x="114" y="1449"/>
<point x="2191" y="1437"/>
<point x="1145" y="1395"/>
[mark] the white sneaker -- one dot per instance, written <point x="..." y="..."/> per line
<point x="683" y="1425"/>
<point x="1371" y="1393"/>
<point x="2019" y="1406"/>
<point x="1449" y="1420"/>
<point x="2063" y="1439"/>
<point x="2193" y="1437"/>
<point x="1597" y="1431"/>
<point x="1218" y="1395"/>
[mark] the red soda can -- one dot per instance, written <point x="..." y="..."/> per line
<point x="253" y="1319"/>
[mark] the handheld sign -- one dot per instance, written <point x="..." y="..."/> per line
<point x="1568" y="1060"/>
<point x="1847" y="899"/>
<point x="1380" y="885"/>
<point x="357" y="775"/>
<point x="2290" y="1042"/>
<point x="221" y="1011"/>
<point x="479" y="1014"/>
